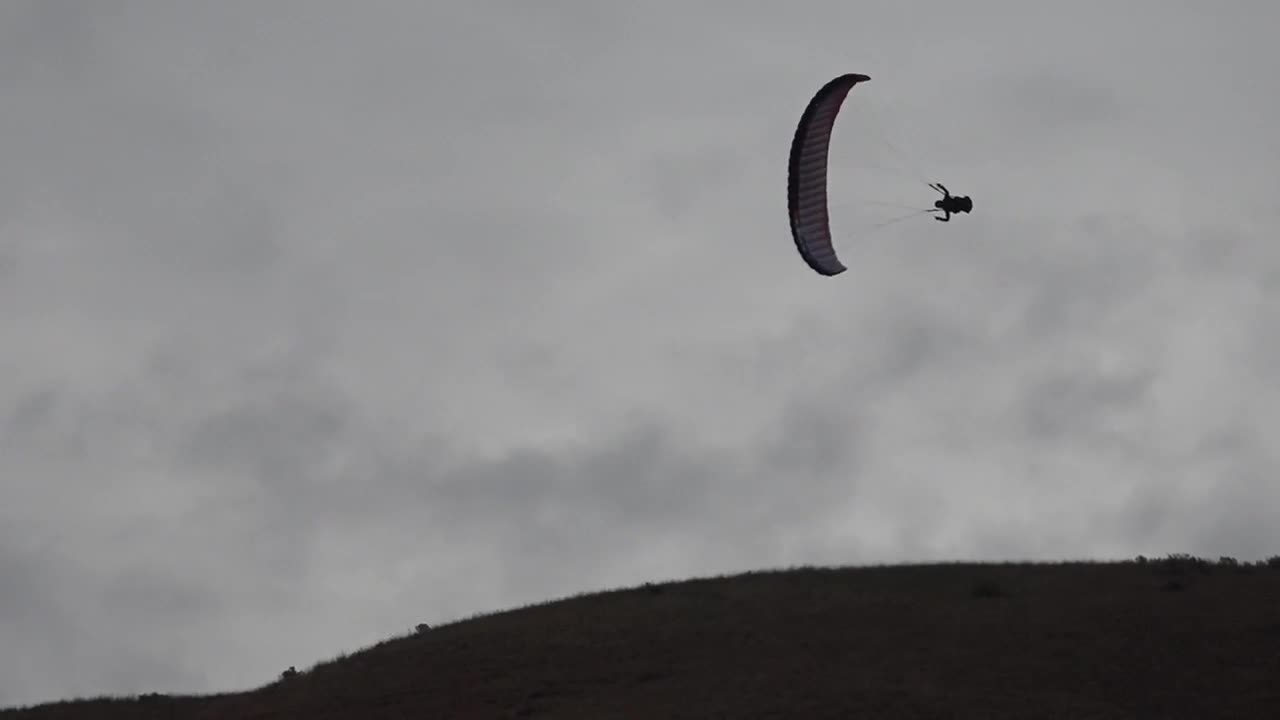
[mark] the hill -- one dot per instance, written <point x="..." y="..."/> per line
<point x="1175" y="638"/>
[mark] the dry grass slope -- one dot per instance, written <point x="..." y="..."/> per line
<point x="1176" y="638"/>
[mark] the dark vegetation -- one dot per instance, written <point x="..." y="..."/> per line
<point x="1175" y="637"/>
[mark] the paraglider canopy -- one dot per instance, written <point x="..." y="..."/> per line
<point x="807" y="175"/>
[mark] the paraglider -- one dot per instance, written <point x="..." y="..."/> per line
<point x="807" y="201"/>
<point x="807" y="175"/>
<point x="950" y="203"/>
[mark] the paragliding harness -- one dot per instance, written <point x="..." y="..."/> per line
<point x="950" y="203"/>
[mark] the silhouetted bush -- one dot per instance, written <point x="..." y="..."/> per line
<point x="423" y="627"/>
<point x="1182" y="563"/>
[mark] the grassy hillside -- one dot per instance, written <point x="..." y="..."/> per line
<point x="1175" y="638"/>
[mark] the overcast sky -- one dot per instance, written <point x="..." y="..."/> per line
<point x="323" y="319"/>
